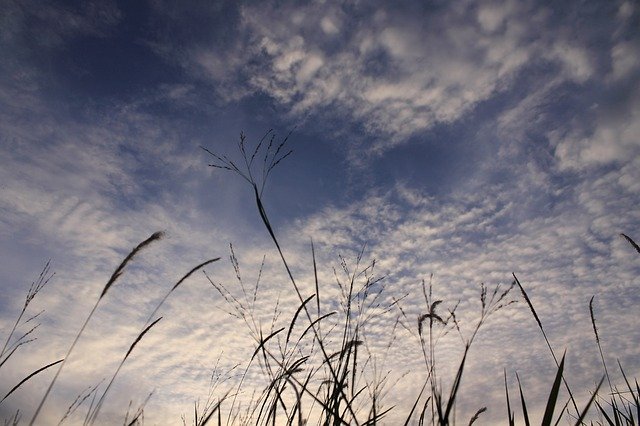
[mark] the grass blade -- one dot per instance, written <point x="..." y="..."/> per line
<point x="510" y="414"/>
<point x="525" y="413"/>
<point x="544" y="334"/>
<point x="553" y="396"/>
<point x="415" y="404"/>
<point x="604" y="414"/>
<point x="295" y="317"/>
<point x="30" y="376"/>
<point x="116" y="274"/>
<point x="476" y="415"/>
<point x="593" y="397"/>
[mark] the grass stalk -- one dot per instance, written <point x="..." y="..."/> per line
<point x="114" y="277"/>
<point x="546" y="339"/>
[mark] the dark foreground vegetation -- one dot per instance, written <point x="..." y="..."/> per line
<point x="317" y="367"/>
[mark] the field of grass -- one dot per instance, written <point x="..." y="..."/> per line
<point x="318" y="368"/>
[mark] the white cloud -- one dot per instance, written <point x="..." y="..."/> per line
<point x="575" y="61"/>
<point x="625" y="11"/>
<point x="562" y="259"/>
<point x="492" y="16"/>
<point x="625" y="60"/>
<point x="433" y="74"/>
<point x="614" y="139"/>
<point x="84" y="195"/>
<point x="329" y="26"/>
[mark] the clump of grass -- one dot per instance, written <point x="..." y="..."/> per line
<point x="552" y="400"/>
<point x="437" y="407"/>
<point x="546" y="339"/>
<point x="114" y="277"/>
<point x="340" y="402"/>
<point x="623" y="406"/>
<point x="95" y="405"/>
<point x="12" y="344"/>
<point x="432" y="403"/>
<point x="618" y="410"/>
<point x="298" y="376"/>
<point x="341" y="399"/>
<point x="318" y="364"/>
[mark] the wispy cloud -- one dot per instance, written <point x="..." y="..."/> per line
<point x="556" y="178"/>
<point x="398" y="71"/>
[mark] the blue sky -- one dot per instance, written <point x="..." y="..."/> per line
<point x="462" y="139"/>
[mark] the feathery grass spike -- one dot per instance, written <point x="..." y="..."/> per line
<point x="116" y="274"/>
<point x="633" y="243"/>
<point x="120" y="269"/>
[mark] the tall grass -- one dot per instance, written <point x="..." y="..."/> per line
<point x="318" y="363"/>
<point x="12" y="344"/>
<point x="432" y="405"/>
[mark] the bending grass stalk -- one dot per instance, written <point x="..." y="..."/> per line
<point x="544" y="334"/>
<point x="266" y="222"/>
<point x="116" y="274"/>
<point x="30" y="376"/>
<point x="295" y="317"/>
<point x="271" y="160"/>
<point x="476" y="415"/>
<point x="176" y="285"/>
<point x="144" y="331"/>
<point x="595" y="331"/>
<point x="94" y="415"/>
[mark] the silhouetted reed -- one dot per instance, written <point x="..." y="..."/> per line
<point x="318" y="365"/>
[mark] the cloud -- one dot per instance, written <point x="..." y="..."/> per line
<point x="554" y="114"/>
<point x="398" y="72"/>
<point x="562" y="258"/>
<point x="625" y="60"/>
<point x="612" y="139"/>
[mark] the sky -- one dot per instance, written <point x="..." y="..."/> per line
<point x="458" y="140"/>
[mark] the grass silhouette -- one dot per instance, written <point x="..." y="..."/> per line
<point x="318" y="366"/>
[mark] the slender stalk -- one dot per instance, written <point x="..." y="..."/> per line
<point x="114" y="277"/>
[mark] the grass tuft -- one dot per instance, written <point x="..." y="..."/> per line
<point x="324" y="369"/>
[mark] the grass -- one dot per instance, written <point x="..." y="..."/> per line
<point x="318" y="364"/>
